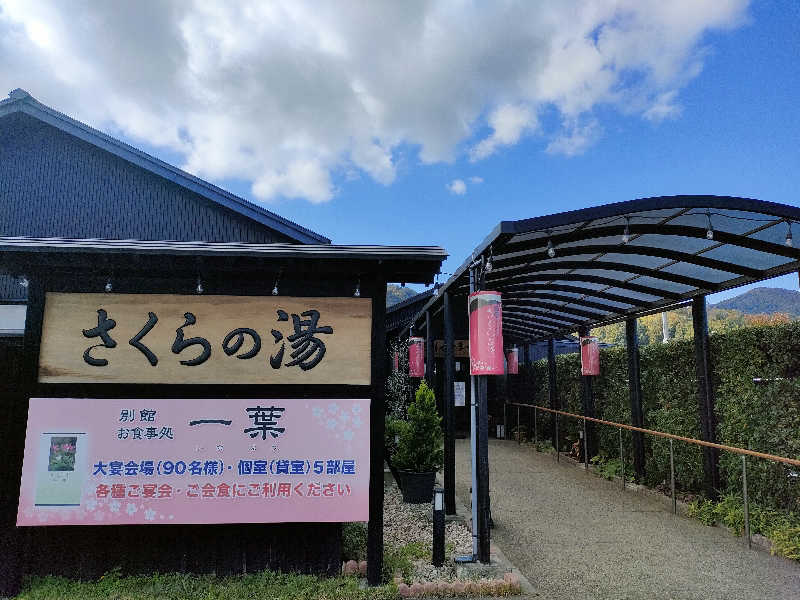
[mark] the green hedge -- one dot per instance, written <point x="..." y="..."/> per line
<point x="763" y="417"/>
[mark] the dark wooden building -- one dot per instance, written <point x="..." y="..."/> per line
<point x="82" y="212"/>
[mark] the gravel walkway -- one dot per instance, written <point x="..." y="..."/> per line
<point x="574" y="535"/>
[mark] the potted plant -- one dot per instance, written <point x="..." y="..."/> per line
<point x="420" y="452"/>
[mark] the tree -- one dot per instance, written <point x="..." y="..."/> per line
<point x="421" y="445"/>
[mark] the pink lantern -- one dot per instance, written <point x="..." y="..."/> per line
<point x="512" y="361"/>
<point x="590" y="356"/>
<point x="485" y="333"/>
<point x="416" y="357"/>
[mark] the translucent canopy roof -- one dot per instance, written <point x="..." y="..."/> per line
<point x="598" y="265"/>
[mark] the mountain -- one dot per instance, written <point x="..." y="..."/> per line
<point x="395" y="294"/>
<point x="764" y="300"/>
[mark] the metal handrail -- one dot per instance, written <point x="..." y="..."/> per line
<point x="744" y="452"/>
<point x="735" y="449"/>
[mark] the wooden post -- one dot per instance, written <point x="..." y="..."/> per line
<point x="705" y="396"/>
<point x="552" y="387"/>
<point x="449" y="421"/>
<point x="12" y="566"/>
<point x="376" y="415"/>
<point x="635" y="384"/>
<point x="587" y="401"/>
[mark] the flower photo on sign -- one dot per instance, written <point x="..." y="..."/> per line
<point x="62" y="454"/>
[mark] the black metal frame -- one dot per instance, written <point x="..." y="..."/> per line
<point x="546" y="297"/>
<point x="539" y="286"/>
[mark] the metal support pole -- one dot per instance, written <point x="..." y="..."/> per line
<point x="429" y="353"/>
<point x="519" y="433"/>
<point x="585" y="448"/>
<point x="505" y="421"/>
<point x="746" y="503"/>
<point x="558" y="454"/>
<point x="484" y="552"/>
<point x="635" y="385"/>
<point x="530" y="422"/>
<point x="672" y="478"/>
<point x="473" y="439"/>
<point x="535" y="429"/>
<point x="705" y="394"/>
<point x="587" y="402"/>
<point x="449" y="409"/>
<point x="622" y="458"/>
<point x="552" y="385"/>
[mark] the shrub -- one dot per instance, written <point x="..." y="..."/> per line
<point x="607" y="468"/>
<point x="786" y="541"/>
<point x="703" y="511"/>
<point x="763" y="417"/>
<point x="354" y="541"/>
<point x="421" y="445"/>
<point x="392" y="432"/>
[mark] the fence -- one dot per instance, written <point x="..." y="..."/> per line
<point x="743" y="452"/>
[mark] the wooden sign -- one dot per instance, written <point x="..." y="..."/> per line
<point x="161" y="338"/>
<point x="460" y="348"/>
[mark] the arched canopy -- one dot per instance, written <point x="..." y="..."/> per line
<point x="595" y="266"/>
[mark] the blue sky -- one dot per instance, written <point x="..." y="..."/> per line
<point x="738" y="134"/>
<point x="360" y="120"/>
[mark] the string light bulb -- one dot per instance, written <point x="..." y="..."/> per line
<point x="357" y="293"/>
<point x="788" y="241"/>
<point x="489" y="265"/>
<point x="109" y="287"/>
<point x="626" y="235"/>
<point x="199" y="288"/>
<point x="275" y="289"/>
<point x="551" y="251"/>
<point x="710" y="227"/>
<point x="23" y="281"/>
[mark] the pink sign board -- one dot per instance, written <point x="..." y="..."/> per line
<point x="193" y="461"/>
<point x="590" y="356"/>
<point x="512" y="361"/>
<point x="485" y="333"/>
<point x="416" y="357"/>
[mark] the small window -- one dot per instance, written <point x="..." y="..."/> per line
<point x="12" y="319"/>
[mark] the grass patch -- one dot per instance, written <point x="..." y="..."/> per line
<point x="402" y="559"/>
<point x="180" y="586"/>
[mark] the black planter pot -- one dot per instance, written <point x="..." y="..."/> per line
<point x="417" y="488"/>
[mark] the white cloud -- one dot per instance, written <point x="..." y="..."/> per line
<point x="576" y="138"/>
<point x="293" y="95"/>
<point x="475" y="179"/>
<point x="457" y="187"/>
<point x="508" y="123"/>
<point x="663" y="107"/>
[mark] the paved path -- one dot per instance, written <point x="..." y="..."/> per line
<point x="575" y="535"/>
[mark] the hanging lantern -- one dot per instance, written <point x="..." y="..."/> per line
<point x="512" y="361"/>
<point x="416" y="357"/>
<point x="590" y="356"/>
<point x="485" y="334"/>
<point x="396" y="361"/>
